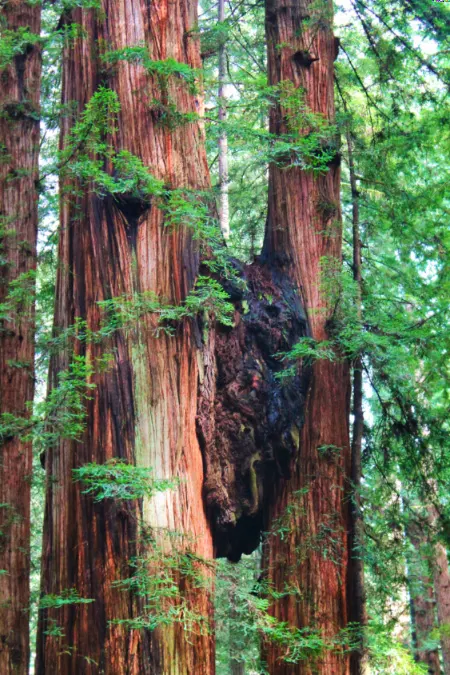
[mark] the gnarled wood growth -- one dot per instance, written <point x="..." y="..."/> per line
<point x="205" y="405"/>
<point x="304" y="235"/>
<point x="143" y="408"/>
<point x="249" y="420"/>
<point x="19" y="147"/>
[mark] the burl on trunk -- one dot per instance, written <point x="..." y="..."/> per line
<point x="205" y="404"/>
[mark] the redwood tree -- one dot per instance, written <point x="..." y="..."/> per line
<point x="19" y="147"/>
<point x="303" y="238"/>
<point x="442" y="593"/>
<point x="422" y="600"/>
<point x="205" y="403"/>
<point x="143" y="407"/>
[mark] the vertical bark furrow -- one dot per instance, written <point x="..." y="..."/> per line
<point x="143" y="407"/>
<point x="303" y="237"/>
<point x="422" y="600"/>
<point x="19" y="148"/>
<point x="441" y="577"/>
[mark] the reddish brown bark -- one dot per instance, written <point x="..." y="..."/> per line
<point x="143" y="408"/>
<point x="19" y="143"/>
<point x="441" y="578"/>
<point x="303" y="227"/>
<point x="429" y="582"/>
<point x="422" y="600"/>
<point x="441" y="582"/>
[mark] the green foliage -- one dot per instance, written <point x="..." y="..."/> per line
<point x="96" y="122"/>
<point x="392" y="104"/>
<point x="388" y="654"/>
<point x="63" y="413"/>
<point x="168" y="115"/>
<point x="20" y="297"/>
<point x="88" y="149"/>
<point x="158" y="577"/>
<point x="243" y="621"/>
<point x="298" y="644"/>
<point x="118" y="480"/>
<point x="55" y="602"/>
<point x="14" y="43"/>
<point x="163" y="70"/>
<point x="329" y="451"/>
<point x="309" y="351"/>
<point x="67" y="597"/>
<point x="237" y="634"/>
<point x="214" y="37"/>
<point x="11" y="425"/>
<point x="53" y="629"/>
<point x="207" y="296"/>
<point x="311" y="143"/>
<point x="391" y="73"/>
<point x="90" y="145"/>
<point x="9" y="517"/>
<point x="67" y="5"/>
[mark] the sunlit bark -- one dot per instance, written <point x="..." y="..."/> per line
<point x="144" y="406"/>
<point x="303" y="236"/>
<point x="19" y="149"/>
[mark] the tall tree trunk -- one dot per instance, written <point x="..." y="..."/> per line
<point x="144" y="406"/>
<point x="422" y="601"/>
<point x="224" y="211"/>
<point x="441" y="579"/>
<point x="357" y="596"/>
<point x="441" y="582"/>
<point x="304" y="235"/>
<point x="19" y="148"/>
<point x="237" y="666"/>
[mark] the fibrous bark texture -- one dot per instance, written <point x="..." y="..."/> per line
<point x="442" y="593"/>
<point x="19" y="146"/>
<point x="143" y="409"/>
<point x="309" y="564"/>
<point x="441" y="582"/>
<point x="206" y="405"/>
<point x="422" y="600"/>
